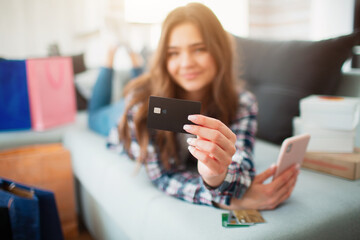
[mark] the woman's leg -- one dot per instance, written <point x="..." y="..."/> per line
<point x="102" y="115"/>
<point x="101" y="93"/>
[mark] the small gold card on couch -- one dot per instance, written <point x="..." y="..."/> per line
<point x="248" y="216"/>
<point x="241" y="218"/>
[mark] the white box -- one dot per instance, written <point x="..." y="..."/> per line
<point x="337" y="113"/>
<point x="325" y="139"/>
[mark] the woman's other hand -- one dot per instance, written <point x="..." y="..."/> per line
<point x="268" y="196"/>
<point x="213" y="147"/>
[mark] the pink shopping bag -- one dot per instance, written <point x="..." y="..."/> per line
<point x="51" y="92"/>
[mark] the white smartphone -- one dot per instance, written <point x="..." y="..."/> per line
<point x="292" y="151"/>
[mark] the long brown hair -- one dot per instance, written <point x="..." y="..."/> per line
<point x="221" y="104"/>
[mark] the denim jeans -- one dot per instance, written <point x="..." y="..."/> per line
<point x="102" y="114"/>
<point x="33" y="217"/>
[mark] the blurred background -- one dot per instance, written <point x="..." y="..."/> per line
<point x="37" y="28"/>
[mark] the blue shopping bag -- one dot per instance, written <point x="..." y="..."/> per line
<point x="32" y="212"/>
<point x="14" y="99"/>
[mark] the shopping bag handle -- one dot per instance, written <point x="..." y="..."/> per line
<point x="18" y="191"/>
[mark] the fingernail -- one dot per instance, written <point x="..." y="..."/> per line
<point x="273" y="166"/>
<point x="191" y="148"/>
<point x="192" y="117"/>
<point x="190" y="141"/>
<point x="297" y="166"/>
<point x="187" y="127"/>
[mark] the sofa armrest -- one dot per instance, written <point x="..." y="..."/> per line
<point x="12" y="139"/>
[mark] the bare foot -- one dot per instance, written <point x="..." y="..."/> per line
<point x="136" y="59"/>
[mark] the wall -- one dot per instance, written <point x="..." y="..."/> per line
<point x="300" y="19"/>
<point x="27" y="27"/>
<point x="331" y="18"/>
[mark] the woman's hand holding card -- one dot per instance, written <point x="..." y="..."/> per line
<point x="213" y="147"/>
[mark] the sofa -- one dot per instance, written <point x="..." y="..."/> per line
<point x="115" y="203"/>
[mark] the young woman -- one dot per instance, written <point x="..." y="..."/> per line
<point x="212" y="165"/>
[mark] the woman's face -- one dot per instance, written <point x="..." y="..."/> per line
<point x="189" y="62"/>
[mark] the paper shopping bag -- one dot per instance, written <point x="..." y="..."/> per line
<point x="51" y="92"/>
<point x="45" y="166"/>
<point x="14" y="101"/>
<point x="5" y="227"/>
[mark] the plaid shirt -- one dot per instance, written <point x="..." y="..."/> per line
<point x="188" y="185"/>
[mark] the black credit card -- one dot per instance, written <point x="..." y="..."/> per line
<point x="170" y="114"/>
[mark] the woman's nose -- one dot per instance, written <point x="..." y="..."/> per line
<point x="187" y="60"/>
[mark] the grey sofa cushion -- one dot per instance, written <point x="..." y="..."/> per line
<point x="280" y="73"/>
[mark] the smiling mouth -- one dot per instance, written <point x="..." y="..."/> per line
<point x="190" y="76"/>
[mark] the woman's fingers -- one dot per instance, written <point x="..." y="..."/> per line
<point x="285" y="192"/>
<point x="211" y="148"/>
<point x="213" y="136"/>
<point x="289" y="189"/>
<point x="285" y="176"/>
<point x="260" y="178"/>
<point x="212" y="164"/>
<point x="282" y="189"/>
<point x="213" y="123"/>
<point x="214" y="131"/>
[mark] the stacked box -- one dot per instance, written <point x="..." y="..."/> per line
<point x="331" y="122"/>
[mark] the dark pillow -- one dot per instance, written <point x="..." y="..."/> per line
<point x="79" y="67"/>
<point x="280" y="73"/>
<point x="78" y="63"/>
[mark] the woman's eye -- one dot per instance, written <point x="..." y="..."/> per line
<point x="172" y="54"/>
<point x="202" y="49"/>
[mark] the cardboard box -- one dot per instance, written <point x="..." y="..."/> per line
<point x="346" y="165"/>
